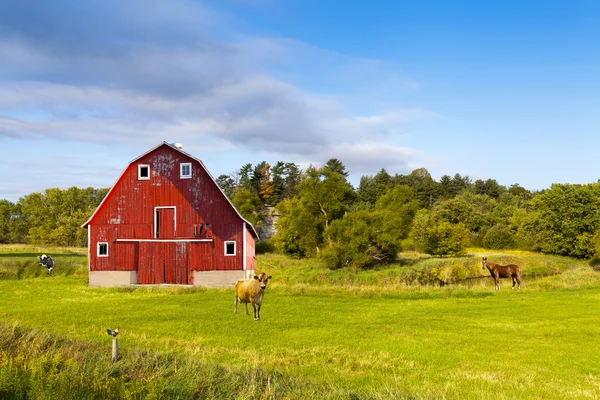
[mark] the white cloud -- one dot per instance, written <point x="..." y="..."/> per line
<point x="130" y="82"/>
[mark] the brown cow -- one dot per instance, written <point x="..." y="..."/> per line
<point x="251" y="291"/>
<point x="502" y="271"/>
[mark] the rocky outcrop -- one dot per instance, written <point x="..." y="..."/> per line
<point x="268" y="230"/>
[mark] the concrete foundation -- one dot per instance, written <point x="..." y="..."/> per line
<point x="112" y="278"/>
<point x="218" y="279"/>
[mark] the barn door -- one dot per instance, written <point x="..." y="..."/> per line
<point x="164" y="223"/>
<point x="163" y="262"/>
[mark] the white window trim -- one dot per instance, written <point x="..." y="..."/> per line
<point x="189" y="164"/>
<point x="244" y="248"/>
<point x="140" y="177"/>
<point x="98" y="249"/>
<point x="234" y="248"/>
<point x="174" y="217"/>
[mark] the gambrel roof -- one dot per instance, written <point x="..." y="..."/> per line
<point x="172" y="146"/>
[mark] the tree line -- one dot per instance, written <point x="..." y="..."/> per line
<point x="322" y="214"/>
<point x="52" y="217"/>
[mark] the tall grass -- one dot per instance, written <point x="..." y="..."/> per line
<point x="414" y="270"/>
<point x="38" y="365"/>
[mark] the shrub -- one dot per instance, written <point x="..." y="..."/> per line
<point x="264" y="246"/>
<point x="595" y="262"/>
<point x="498" y="237"/>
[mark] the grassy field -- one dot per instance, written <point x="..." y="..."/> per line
<point x="379" y="334"/>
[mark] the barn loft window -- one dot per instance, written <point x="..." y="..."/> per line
<point x="103" y="249"/>
<point x="230" y="248"/>
<point x="143" y="172"/>
<point x="185" y="170"/>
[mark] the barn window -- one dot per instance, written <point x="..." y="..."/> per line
<point x="143" y="172"/>
<point x="230" y="248"/>
<point x="185" y="170"/>
<point x="103" y="249"/>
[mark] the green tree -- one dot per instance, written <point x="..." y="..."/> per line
<point x="335" y="165"/>
<point x="293" y="176"/>
<point x="56" y="216"/>
<point x="278" y="172"/>
<point x="563" y="220"/>
<point x="299" y="229"/>
<point x="432" y="235"/>
<point x="320" y="200"/>
<point x="227" y="184"/>
<point x="7" y="214"/>
<point x="244" y="181"/>
<point x="363" y="238"/>
<point x="444" y="238"/>
<point x="248" y="204"/>
<point x="498" y="237"/>
<point x="372" y="188"/>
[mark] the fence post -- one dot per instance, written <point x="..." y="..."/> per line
<point x="115" y="349"/>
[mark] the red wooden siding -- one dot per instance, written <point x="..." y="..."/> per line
<point x="138" y="217"/>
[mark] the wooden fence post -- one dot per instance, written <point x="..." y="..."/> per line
<point x="115" y="350"/>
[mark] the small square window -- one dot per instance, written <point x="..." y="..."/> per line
<point x="103" y="249"/>
<point x="185" y="170"/>
<point x="143" y="172"/>
<point x="230" y="248"/>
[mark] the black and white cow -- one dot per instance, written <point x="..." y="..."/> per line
<point x="48" y="262"/>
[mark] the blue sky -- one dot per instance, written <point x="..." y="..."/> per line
<point x="508" y="90"/>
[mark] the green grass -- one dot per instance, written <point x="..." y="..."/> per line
<point x="18" y="261"/>
<point x="318" y="338"/>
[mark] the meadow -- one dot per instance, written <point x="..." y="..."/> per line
<point x="424" y="328"/>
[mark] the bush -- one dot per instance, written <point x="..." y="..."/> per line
<point x="498" y="237"/>
<point x="264" y="246"/>
<point x="446" y="239"/>
<point x="595" y="262"/>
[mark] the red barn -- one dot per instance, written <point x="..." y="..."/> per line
<point x="166" y="221"/>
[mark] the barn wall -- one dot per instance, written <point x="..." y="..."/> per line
<point x="128" y="212"/>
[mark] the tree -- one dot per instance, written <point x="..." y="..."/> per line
<point x="227" y="184"/>
<point x="320" y="200"/>
<point x="498" y="237"/>
<point x="248" y="204"/>
<point x="335" y="165"/>
<point x="7" y="213"/>
<point x="56" y="216"/>
<point x="244" y="177"/>
<point x="437" y="237"/>
<point x="444" y="238"/>
<point x="357" y="242"/>
<point x="277" y="182"/>
<point x="292" y="180"/>
<point x="425" y="188"/>
<point x="563" y="220"/>
<point x="372" y="188"/>
<point x="265" y="185"/>
<point x="363" y="238"/>
<point x="299" y="229"/>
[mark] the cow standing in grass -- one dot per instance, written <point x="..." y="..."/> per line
<point x="251" y="291"/>
<point x="48" y="262"/>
